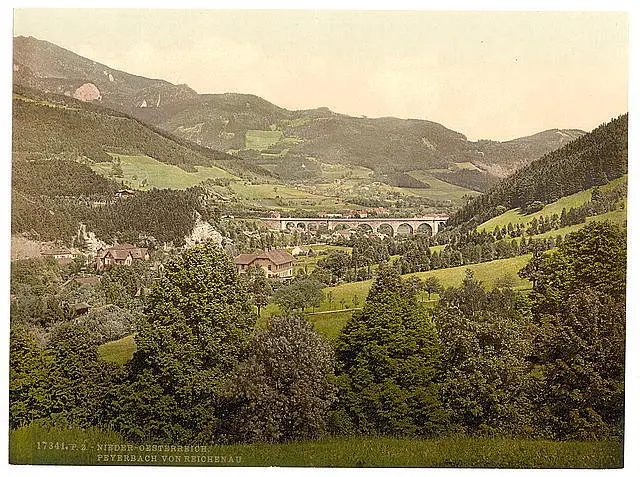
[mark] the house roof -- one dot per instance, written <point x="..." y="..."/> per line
<point x="138" y="252"/>
<point x="278" y="257"/>
<point x="55" y="250"/>
<point x="122" y="246"/>
<point x="118" y="254"/>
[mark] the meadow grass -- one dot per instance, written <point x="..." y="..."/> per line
<point x="285" y="198"/>
<point x="571" y="201"/>
<point x="438" y="189"/>
<point x="137" y="169"/>
<point x="259" y="140"/>
<point x="329" y="324"/>
<point x="118" y="351"/>
<point x="26" y="447"/>
<point x="485" y="272"/>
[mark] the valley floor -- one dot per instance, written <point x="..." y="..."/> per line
<point x="27" y="446"/>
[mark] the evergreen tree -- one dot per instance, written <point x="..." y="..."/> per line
<point x="28" y="396"/>
<point x="486" y="340"/>
<point x="389" y="364"/>
<point x="579" y="307"/>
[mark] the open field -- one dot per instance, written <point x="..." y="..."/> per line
<point x="144" y="172"/>
<point x="328" y="452"/>
<point x="486" y="272"/>
<point x="575" y="200"/>
<point x="329" y="324"/>
<point x="438" y="190"/>
<point x="119" y="351"/>
<point x="618" y="217"/>
<point x="469" y="166"/>
<point x="259" y="140"/>
<point x="283" y="197"/>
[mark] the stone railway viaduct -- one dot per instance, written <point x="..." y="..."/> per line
<point x="386" y="225"/>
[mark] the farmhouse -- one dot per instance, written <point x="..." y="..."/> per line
<point x="124" y="254"/>
<point x="62" y="254"/>
<point x="275" y="263"/>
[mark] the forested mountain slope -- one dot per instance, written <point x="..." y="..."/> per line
<point x="594" y="159"/>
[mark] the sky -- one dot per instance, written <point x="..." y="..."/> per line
<point x="488" y="75"/>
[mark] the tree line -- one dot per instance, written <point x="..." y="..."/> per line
<point x="547" y="364"/>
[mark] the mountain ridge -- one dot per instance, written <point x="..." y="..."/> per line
<point x="253" y="128"/>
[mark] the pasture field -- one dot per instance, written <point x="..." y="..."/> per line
<point x="438" y="189"/>
<point x="144" y="172"/>
<point x="285" y="198"/>
<point x="469" y="166"/>
<point x="486" y="272"/>
<point x="30" y="445"/>
<point x="259" y="140"/>
<point x="118" y="351"/>
<point x="575" y="200"/>
<point x="329" y="324"/>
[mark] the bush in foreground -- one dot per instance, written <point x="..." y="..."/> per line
<point x="281" y="390"/>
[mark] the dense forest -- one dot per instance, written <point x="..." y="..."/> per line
<point x="61" y="125"/>
<point x="51" y="198"/>
<point x="591" y="160"/>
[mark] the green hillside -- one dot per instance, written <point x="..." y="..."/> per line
<point x="591" y="160"/>
<point x="257" y="129"/>
<point x="515" y="216"/>
<point x="46" y="126"/>
<point x="144" y="172"/>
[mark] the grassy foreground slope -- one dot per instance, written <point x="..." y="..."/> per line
<point x="26" y="447"/>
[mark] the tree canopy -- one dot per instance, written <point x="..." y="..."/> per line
<point x="389" y="364"/>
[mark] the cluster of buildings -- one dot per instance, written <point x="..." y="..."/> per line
<point x="277" y="263"/>
<point x="123" y="254"/>
<point x="356" y="214"/>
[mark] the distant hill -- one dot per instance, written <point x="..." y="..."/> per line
<point x="47" y="67"/>
<point x="231" y="122"/>
<point x="47" y="125"/>
<point x="591" y="160"/>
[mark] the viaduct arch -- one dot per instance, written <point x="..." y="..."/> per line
<point x="430" y="224"/>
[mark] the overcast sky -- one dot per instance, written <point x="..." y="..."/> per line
<point x="485" y="74"/>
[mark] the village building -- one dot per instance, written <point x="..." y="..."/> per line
<point x="124" y="254"/>
<point x="125" y="193"/>
<point x="81" y="308"/>
<point x="61" y="254"/>
<point x="275" y="263"/>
